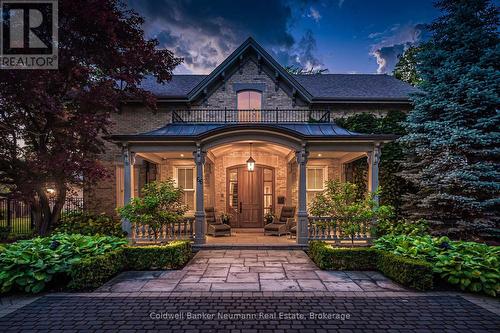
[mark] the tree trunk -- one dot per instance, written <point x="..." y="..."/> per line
<point x="45" y="217"/>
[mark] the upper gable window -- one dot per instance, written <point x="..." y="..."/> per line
<point x="249" y="100"/>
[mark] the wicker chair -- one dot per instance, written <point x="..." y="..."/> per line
<point x="215" y="227"/>
<point x="283" y="224"/>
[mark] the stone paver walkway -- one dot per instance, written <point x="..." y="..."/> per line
<point x="250" y="270"/>
<point x="73" y="313"/>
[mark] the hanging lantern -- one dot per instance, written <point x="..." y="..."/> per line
<point x="250" y="161"/>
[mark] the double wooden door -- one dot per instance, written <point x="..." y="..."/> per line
<point x="246" y="196"/>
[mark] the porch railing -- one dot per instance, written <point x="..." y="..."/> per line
<point x="251" y="116"/>
<point x="182" y="230"/>
<point x="329" y="229"/>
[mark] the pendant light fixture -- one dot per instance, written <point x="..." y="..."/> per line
<point x="250" y="161"/>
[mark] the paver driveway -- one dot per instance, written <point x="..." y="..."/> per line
<point x="250" y="270"/>
<point x="73" y="313"/>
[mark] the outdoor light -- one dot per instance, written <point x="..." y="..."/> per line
<point x="51" y="191"/>
<point x="250" y="161"/>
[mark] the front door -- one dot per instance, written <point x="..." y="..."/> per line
<point x="246" y="197"/>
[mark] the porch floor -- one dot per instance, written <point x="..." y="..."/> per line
<point x="250" y="236"/>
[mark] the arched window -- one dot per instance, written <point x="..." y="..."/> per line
<point x="249" y="100"/>
<point x="249" y="103"/>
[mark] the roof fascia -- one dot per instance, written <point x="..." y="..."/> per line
<point x="250" y="42"/>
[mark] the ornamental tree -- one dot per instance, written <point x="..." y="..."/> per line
<point x="406" y="68"/>
<point x="52" y="121"/>
<point x="453" y="132"/>
<point x="160" y="205"/>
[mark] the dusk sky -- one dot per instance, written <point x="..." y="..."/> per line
<point x="344" y="36"/>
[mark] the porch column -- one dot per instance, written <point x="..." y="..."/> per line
<point x="200" y="227"/>
<point x="373" y="163"/>
<point x="128" y="169"/>
<point x="302" y="223"/>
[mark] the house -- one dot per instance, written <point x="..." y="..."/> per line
<point x="208" y="127"/>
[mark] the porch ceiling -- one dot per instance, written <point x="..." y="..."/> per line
<point x="244" y="146"/>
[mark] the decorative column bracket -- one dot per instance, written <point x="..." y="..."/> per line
<point x="302" y="156"/>
<point x="200" y="225"/>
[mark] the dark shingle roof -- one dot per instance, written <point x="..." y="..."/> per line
<point x="320" y="86"/>
<point x="179" y="86"/>
<point x="355" y="86"/>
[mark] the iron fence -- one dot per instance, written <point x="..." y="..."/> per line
<point x="251" y="116"/>
<point x="17" y="215"/>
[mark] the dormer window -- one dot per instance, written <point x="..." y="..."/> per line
<point x="249" y="100"/>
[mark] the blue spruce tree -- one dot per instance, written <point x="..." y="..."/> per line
<point x="453" y="140"/>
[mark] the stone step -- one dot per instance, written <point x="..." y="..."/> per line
<point x="249" y="247"/>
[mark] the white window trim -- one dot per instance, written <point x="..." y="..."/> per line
<point x="325" y="177"/>
<point x="176" y="180"/>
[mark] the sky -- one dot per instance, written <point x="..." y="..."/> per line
<point x="342" y="36"/>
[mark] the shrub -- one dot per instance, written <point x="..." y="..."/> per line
<point x="30" y="264"/>
<point x="402" y="227"/>
<point x="171" y="256"/>
<point x="92" y="272"/>
<point x="353" y="215"/>
<point x="161" y="204"/>
<point x="471" y="266"/>
<point x="86" y="223"/>
<point x="327" y="257"/>
<point x="412" y="273"/>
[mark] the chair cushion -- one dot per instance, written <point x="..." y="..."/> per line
<point x="221" y="227"/>
<point x="286" y="213"/>
<point x="274" y="226"/>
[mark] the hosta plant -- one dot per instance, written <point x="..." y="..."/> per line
<point x="471" y="266"/>
<point x="29" y="265"/>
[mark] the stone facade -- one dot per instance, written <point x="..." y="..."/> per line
<point x="135" y="118"/>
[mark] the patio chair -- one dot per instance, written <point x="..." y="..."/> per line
<point x="215" y="227"/>
<point x="283" y="224"/>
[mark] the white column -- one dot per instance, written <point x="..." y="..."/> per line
<point x="302" y="223"/>
<point x="128" y="169"/>
<point x="373" y="167"/>
<point x="200" y="225"/>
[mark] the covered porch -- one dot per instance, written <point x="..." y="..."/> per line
<point x="211" y="164"/>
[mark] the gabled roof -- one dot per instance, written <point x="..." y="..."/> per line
<point x="250" y="43"/>
<point x="313" y="88"/>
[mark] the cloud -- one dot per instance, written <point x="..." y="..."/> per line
<point x="341" y="2"/>
<point x="391" y="43"/>
<point x="314" y="14"/>
<point x="205" y="33"/>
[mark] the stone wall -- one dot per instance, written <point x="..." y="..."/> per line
<point x="135" y="118"/>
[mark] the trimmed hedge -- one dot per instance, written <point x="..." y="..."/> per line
<point x="171" y="256"/>
<point x="411" y="273"/>
<point x="93" y="272"/>
<point x="349" y="259"/>
<point x="416" y="274"/>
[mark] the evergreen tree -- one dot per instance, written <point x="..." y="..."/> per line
<point x="453" y="136"/>
<point x="406" y="68"/>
